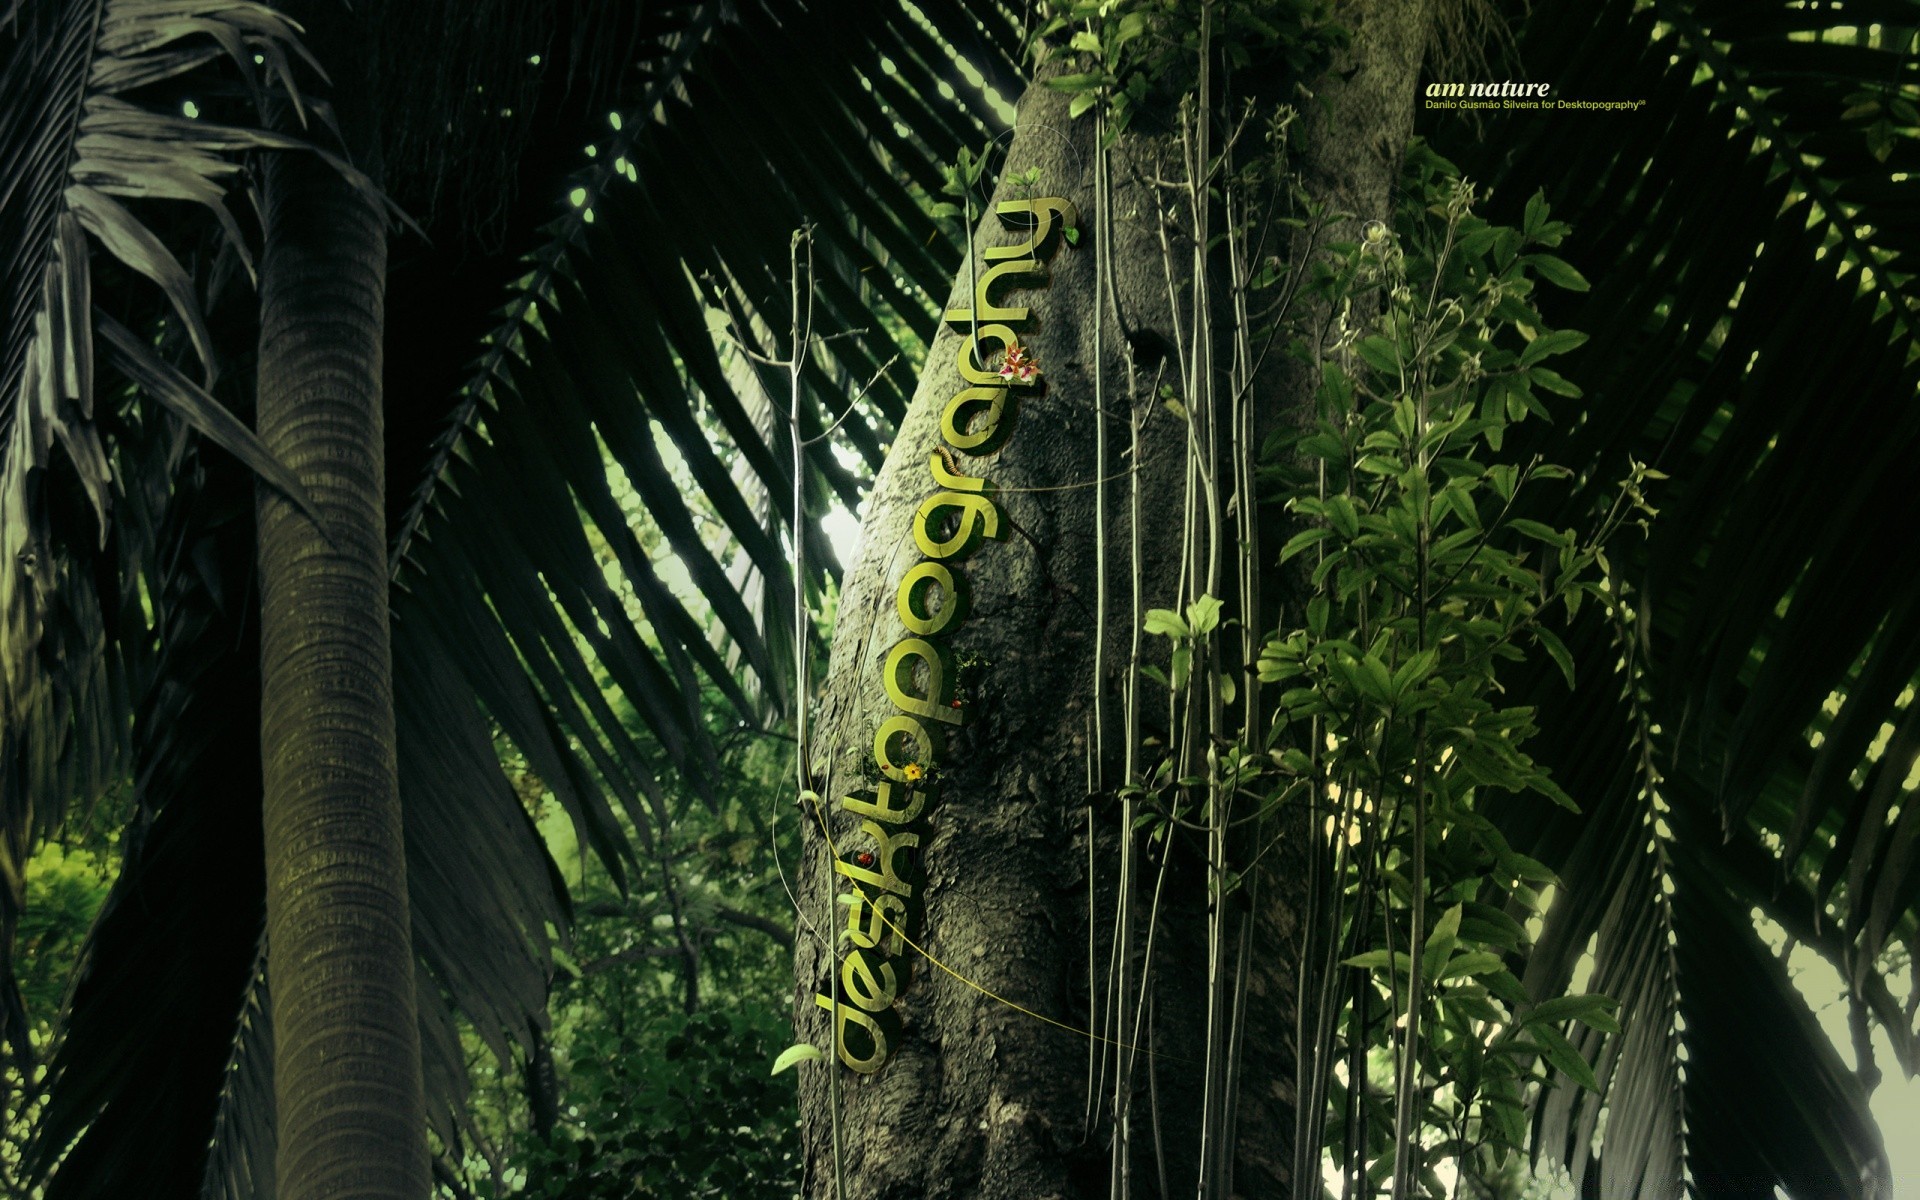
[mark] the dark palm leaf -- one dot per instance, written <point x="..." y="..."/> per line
<point x="758" y="124"/>
<point x="186" y="913"/>
<point x="76" y="149"/>
<point x="1776" y="389"/>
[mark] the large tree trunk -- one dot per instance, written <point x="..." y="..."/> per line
<point x="1015" y="888"/>
<point x="346" y="1041"/>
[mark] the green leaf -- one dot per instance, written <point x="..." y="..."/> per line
<point x="1535" y="215"/>
<point x="1374" y="680"/>
<point x="1377" y="960"/>
<point x="1540" y="532"/>
<point x="1082" y="82"/>
<point x="1555" y="382"/>
<point x="1440" y="943"/>
<point x="1558" y="272"/>
<point x="1544" y="784"/>
<point x="1530" y="870"/>
<point x="1379" y="353"/>
<point x="1492" y="926"/>
<point x="1561" y="1053"/>
<point x="1305" y="538"/>
<point x="1166" y="622"/>
<point x="1473" y="962"/>
<point x="1413" y="672"/>
<point x="1502" y="984"/>
<point x="1588" y="1009"/>
<point x="1558" y="342"/>
<point x="1203" y="615"/>
<point x="1557" y="651"/>
<point x="1341" y="515"/>
<point x="1336" y="387"/>
<point x="202" y="413"/>
<point x="797" y="1053"/>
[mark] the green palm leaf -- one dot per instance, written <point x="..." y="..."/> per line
<point x="1775" y="389"/>
<point x="771" y="118"/>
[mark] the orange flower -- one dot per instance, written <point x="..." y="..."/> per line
<point x="1019" y="365"/>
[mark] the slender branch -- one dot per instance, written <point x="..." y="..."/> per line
<point x="767" y="925"/>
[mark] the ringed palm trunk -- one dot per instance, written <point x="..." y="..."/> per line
<point x="985" y="1094"/>
<point x="347" y="1080"/>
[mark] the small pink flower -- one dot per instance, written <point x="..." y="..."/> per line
<point x="1019" y="366"/>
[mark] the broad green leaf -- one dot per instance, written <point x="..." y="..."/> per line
<point x="1558" y="272"/>
<point x="1535" y="215"/>
<point x="1564" y="1057"/>
<point x="1539" y="531"/>
<point x="1374" y="680"/>
<point x="1341" y="515"/>
<point x="1413" y="672"/>
<point x="1473" y="962"/>
<point x="1491" y="926"/>
<point x="1440" y="943"/>
<point x="1554" y="382"/>
<point x="795" y="1054"/>
<point x="1377" y="960"/>
<point x="1544" y="784"/>
<point x="1558" y="342"/>
<point x="1502" y="984"/>
<point x="1302" y="540"/>
<point x="1082" y="82"/>
<point x="1589" y="1009"/>
<point x="1338" y="390"/>
<point x="1529" y="869"/>
<point x="1166" y="622"/>
<point x="1203" y="615"/>
<point x="1556" y="650"/>
<point x="1380" y="353"/>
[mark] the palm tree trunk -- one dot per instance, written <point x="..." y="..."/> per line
<point x="346" y="1040"/>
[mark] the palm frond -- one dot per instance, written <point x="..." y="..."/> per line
<point x="1751" y="336"/>
<point x="80" y="152"/>
<point x="185" y="916"/>
<point x="758" y="123"/>
<point x="240" y="1162"/>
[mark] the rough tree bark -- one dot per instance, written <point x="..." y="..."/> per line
<point x="347" y="1080"/>
<point x="979" y="1098"/>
